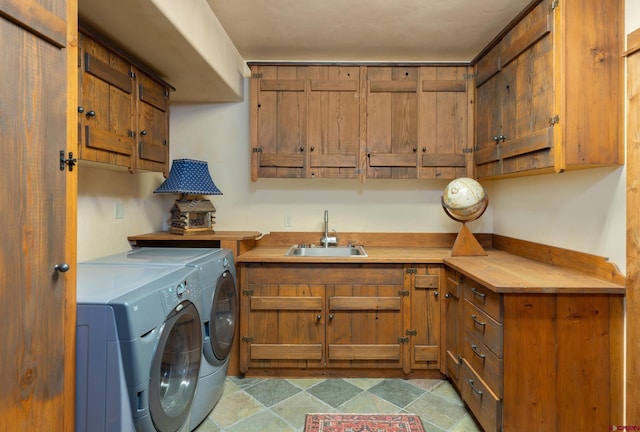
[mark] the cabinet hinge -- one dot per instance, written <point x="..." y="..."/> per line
<point x="554" y="120"/>
<point x="403" y="339"/>
<point x="248" y="339"/>
<point x="469" y="75"/>
<point x="165" y="142"/>
<point x="411" y="271"/>
<point x="256" y="75"/>
<point x="131" y="134"/>
<point x="555" y="4"/>
<point x="412" y="333"/>
<point x="166" y="93"/>
<point x="70" y="162"/>
<point x="403" y="293"/>
<point x="247" y="292"/>
<point x="257" y="149"/>
<point x="467" y="150"/>
<point x="132" y="75"/>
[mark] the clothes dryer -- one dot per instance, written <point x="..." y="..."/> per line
<point x="138" y="347"/>
<point x="218" y="310"/>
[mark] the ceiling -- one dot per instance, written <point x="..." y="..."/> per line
<point x="364" y="30"/>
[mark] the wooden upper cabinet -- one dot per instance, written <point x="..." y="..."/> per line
<point x="278" y="121"/>
<point x="356" y="121"/>
<point x="107" y="100"/>
<point x="445" y="122"/>
<point x="153" y="125"/>
<point x="334" y="121"/>
<point x="548" y="92"/>
<point x="392" y="122"/>
<point x="123" y="112"/>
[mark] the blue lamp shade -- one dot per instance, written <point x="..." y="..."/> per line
<point x="189" y="177"/>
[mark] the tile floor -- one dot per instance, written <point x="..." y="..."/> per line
<point x="280" y="405"/>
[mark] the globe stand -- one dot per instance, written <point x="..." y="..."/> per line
<point x="466" y="244"/>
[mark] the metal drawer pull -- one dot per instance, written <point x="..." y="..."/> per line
<point x="474" y="348"/>
<point x="475" y="320"/>
<point x="478" y="293"/>
<point x="475" y="390"/>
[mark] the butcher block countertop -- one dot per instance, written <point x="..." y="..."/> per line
<point x="514" y="266"/>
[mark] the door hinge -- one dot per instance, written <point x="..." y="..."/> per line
<point x="467" y="150"/>
<point x="248" y="339"/>
<point x="412" y="333"/>
<point x="70" y="162"/>
<point x="403" y="293"/>
<point x="257" y="149"/>
<point x="132" y="74"/>
<point x="411" y="271"/>
<point x="247" y="292"/>
<point x="469" y="75"/>
<point x="555" y="4"/>
<point x="554" y="120"/>
<point x="403" y="339"/>
<point x="131" y="134"/>
<point x="256" y="75"/>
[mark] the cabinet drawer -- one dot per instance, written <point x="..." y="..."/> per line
<point x="483" y="327"/>
<point x="484" y="362"/>
<point x="485" y="299"/>
<point x="486" y="406"/>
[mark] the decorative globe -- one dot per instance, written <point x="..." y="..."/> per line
<point x="464" y="199"/>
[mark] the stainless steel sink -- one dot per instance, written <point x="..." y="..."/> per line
<point x="333" y="251"/>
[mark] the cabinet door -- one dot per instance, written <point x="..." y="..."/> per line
<point x="278" y="121"/>
<point x="106" y="106"/>
<point x="37" y="311"/>
<point x="528" y="93"/>
<point x="392" y="122"/>
<point x="365" y="306"/>
<point x="425" y="317"/>
<point x="445" y="124"/>
<point x="282" y="324"/>
<point x="454" y="330"/>
<point x="334" y="121"/>
<point x="153" y="125"/>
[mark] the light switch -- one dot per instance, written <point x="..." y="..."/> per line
<point x="118" y="210"/>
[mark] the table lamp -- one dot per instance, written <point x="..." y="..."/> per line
<point x="195" y="215"/>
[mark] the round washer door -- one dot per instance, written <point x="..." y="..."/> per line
<point x="222" y="319"/>
<point x="175" y="368"/>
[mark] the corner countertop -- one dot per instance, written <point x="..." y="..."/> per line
<point x="500" y="271"/>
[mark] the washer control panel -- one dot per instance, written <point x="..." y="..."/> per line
<point x="187" y="288"/>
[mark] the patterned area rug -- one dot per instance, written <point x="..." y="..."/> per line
<point x="363" y="423"/>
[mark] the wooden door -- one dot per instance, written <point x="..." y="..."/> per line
<point x="334" y="121"/>
<point x="107" y="106"/>
<point x="152" y="134"/>
<point x="528" y="93"/>
<point x="282" y="324"/>
<point x="445" y="122"/>
<point x="392" y="122"/>
<point x="365" y="316"/>
<point x="454" y="329"/>
<point x="278" y="122"/>
<point x="425" y="317"/>
<point x="37" y="310"/>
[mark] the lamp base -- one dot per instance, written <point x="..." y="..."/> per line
<point x="190" y="231"/>
<point x="466" y="244"/>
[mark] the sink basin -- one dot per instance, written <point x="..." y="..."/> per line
<point x="334" y="251"/>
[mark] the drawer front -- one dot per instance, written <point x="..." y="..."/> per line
<point x="485" y="363"/>
<point x="483" y="327"/>
<point x="486" y="406"/>
<point x="485" y="299"/>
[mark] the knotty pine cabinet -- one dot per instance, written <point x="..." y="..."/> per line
<point x="123" y="112"/>
<point x="356" y="121"/>
<point x="548" y="93"/>
<point x="339" y="317"/>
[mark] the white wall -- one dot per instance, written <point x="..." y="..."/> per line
<point x="582" y="210"/>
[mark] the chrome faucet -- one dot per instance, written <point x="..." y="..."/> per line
<point x="326" y="240"/>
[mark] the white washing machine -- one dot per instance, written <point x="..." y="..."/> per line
<point x="138" y="347"/>
<point x="218" y="309"/>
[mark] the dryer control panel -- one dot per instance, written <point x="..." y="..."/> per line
<point x="187" y="288"/>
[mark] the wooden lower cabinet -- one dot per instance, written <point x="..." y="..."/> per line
<point x="338" y="317"/>
<point x="535" y="362"/>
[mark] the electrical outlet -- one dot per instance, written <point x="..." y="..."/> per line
<point x="118" y="210"/>
<point x="288" y="221"/>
